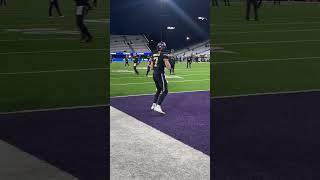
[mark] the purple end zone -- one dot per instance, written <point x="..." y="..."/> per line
<point x="187" y="118"/>
<point x="74" y="140"/>
<point x="267" y="137"/>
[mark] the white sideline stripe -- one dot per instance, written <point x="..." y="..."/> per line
<point x="53" y="71"/>
<point x="55" y="109"/>
<point x="51" y="51"/>
<point x="125" y="84"/>
<point x="271" y="31"/>
<point x="167" y="76"/>
<point x="44" y="39"/>
<point x="264" y="60"/>
<point x="267" y="42"/>
<point x="263" y="24"/>
<point x="153" y="93"/>
<point x="267" y="93"/>
<point x="283" y="18"/>
<point x="180" y="73"/>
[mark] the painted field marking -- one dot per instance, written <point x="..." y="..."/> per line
<point x="150" y="76"/>
<point x="264" y="24"/>
<point x="266" y="42"/>
<point x="125" y="84"/>
<point x="50" y="51"/>
<point x="52" y="71"/>
<point x="266" y="60"/>
<point x="149" y="94"/>
<point x="271" y="31"/>
<point x="267" y="93"/>
<point x="55" y="109"/>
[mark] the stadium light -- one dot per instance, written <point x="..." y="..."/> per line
<point x="202" y="18"/>
<point x="171" y="27"/>
<point x="187" y="38"/>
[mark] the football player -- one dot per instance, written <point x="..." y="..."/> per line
<point x="159" y="63"/>
<point x="135" y="64"/>
<point x="172" y="62"/>
<point x="215" y="3"/>
<point x="3" y="3"/>
<point x="227" y="2"/>
<point x="82" y="7"/>
<point x="189" y="61"/>
<point x="126" y="61"/>
<point x="255" y="5"/>
<point x="55" y="4"/>
<point x="149" y="65"/>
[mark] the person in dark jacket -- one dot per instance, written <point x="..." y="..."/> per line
<point x="54" y="4"/>
<point x="255" y="5"/>
<point x="3" y="3"/>
<point x="82" y="8"/>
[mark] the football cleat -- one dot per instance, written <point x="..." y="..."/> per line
<point x="158" y="109"/>
<point x="153" y="106"/>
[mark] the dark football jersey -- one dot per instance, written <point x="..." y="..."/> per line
<point x="159" y="65"/>
<point x="135" y="60"/>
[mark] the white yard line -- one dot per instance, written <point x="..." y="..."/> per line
<point x="150" y="76"/>
<point x="125" y="84"/>
<point x="267" y="42"/>
<point x="46" y="39"/>
<point x="265" y="60"/>
<point x="263" y="24"/>
<point x="266" y="93"/>
<point x="55" y="109"/>
<point x="50" y="51"/>
<point x="52" y="71"/>
<point x="153" y="93"/>
<point x="271" y="31"/>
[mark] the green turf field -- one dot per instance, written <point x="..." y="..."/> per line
<point x="124" y="82"/>
<point x="42" y="62"/>
<point x="277" y="54"/>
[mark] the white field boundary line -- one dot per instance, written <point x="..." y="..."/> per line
<point x="266" y="42"/>
<point x="271" y="18"/>
<point x="24" y="25"/>
<point x="52" y="71"/>
<point x="264" y="24"/>
<point x="45" y="39"/>
<point x="105" y="21"/>
<point x="150" y="76"/>
<point x="125" y="84"/>
<point x="149" y="94"/>
<point x="55" y="109"/>
<point x="51" y="51"/>
<point x="180" y="73"/>
<point x="271" y="31"/>
<point x="266" y="60"/>
<point x="267" y="93"/>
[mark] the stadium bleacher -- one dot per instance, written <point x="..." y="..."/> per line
<point x="129" y="43"/>
<point x="199" y="50"/>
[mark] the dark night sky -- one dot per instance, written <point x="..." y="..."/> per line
<point x="147" y="17"/>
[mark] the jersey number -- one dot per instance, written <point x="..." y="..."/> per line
<point x="155" y="61"/>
